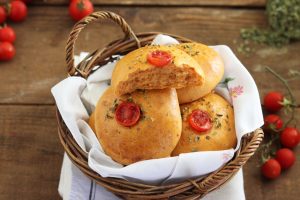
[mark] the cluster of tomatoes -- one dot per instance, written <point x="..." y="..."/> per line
<point x="15" y="11"/>
<point x="78" y="9"/>
<point x="289" y="137"/>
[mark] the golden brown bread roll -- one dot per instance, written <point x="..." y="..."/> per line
<point x="155" y="133"/>
<point x="212" y="66"/>
<point x="92" y="122"/>
<point x="219" y="136"/>
<point x="156" y="67"/>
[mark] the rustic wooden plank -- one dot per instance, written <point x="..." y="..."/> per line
<point x="284" y="187"/>
<point x="39" y="62"/>
<point x="31" y="156"/>
<point x="239" y="3"/>
<point x="30" y="153"/>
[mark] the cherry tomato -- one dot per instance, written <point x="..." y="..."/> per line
<point x="271" y="169"/>
<point x="2" y="15"/>
<point x="7" y="51"/>
<point x="7" y="34"/>
<point x="285" y="157"/>
<point x="200" y="121"/>
<point x="78" y="9"/>
<point x="127" y="114"/>
<point x="272" y="101"/>
<point x="289" y="137"/>
<point x="159" y="58"/>
<point x="275" y="120"/>
<point x="18" y="11"/>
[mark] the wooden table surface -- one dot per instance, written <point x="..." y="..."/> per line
<point x="30" y="152"/>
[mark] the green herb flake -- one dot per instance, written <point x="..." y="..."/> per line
<point x="197" y="138"/>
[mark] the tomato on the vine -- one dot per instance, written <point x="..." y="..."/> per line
<point x="2" y="15"/>
<point x="7" y="34"/>
<point x="285" y="157"/>
<point x="7" y="51"/>
<point x="273" y="101"/>
<point x="273" y="120"/>
<point x="17" y="11"/>
<point x="271" y="169"/>
<point x="289" y="137"/>
<point x="78" y="9"/>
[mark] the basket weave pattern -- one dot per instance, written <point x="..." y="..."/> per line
<point x="189" y="189"/>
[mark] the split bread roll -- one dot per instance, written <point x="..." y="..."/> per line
<point x="154" y="135"/>
<point x="220" y="136"/>
<point x="156" y="67"/>
<point x="212" y="66"/>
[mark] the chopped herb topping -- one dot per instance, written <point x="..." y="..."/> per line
<point x="197" y="138"/>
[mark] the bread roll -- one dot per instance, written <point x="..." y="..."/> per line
<point x="134" y="71"/>
<point x="212" y="65"/>
<point x="92" y="122"/>
<point x="155" y="134"/>
<point x="220" y="136"/>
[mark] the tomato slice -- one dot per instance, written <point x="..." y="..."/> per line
<point x="200" y="121"/>
<point x="159" y="58"/>
<point x="127" y="114"/>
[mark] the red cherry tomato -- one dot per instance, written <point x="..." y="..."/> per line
<point x="7" y="34"/>
<point x="289" y="137"/>
<point x="200" y="121"/>
<point x="7" y="51"/>
<point x="272" y="101"/>
<point x="159" y="58"/>
<point x="18" y="11"/>
<point x="127" y="114"/>
<point x="285" y="157"/>
<point x="275" y="120"/>
<point x="79" y="9"/>
<point x="271" y="169"/>
<point x="2" y="15"/>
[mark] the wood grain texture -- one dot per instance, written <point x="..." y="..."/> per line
<point x="30" y="153"/>
<point x="31" y="156"/>
<point x="39" y="63"/>
<point x="239" y="3"/>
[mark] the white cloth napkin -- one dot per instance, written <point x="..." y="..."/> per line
<point x="74" y="185"/>
<point x="76" y="97"/>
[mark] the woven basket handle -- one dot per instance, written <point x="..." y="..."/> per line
<point x="79" y="26"/>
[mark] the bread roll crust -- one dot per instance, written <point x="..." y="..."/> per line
<point x="134" y="72"/>
<point x="220" y="137"/>
<point x="154" y="136"/>
<point x="92" y="122"/>
<point x="212" y="65"/>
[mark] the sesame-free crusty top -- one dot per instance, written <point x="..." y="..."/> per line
<point x="212" y="65"/>
<point x="156" y="133"/>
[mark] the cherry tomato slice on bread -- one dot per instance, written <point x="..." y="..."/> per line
<point x="127" y="114"/>
<point x="200" y="121"/>
<point x="159" y="58"/>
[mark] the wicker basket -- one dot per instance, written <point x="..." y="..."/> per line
<point x="189" y="189"/>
